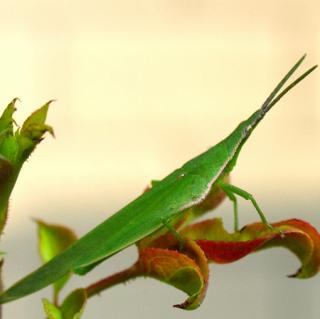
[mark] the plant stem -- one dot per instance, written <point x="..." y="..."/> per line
<point x="1" y="283"/>
<point x="115" y="279"/>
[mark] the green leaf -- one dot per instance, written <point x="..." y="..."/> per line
<point x="54" y="239"/>
<point x="6" y="120"/>
<point x="51" y="310"/>
<point x="10" y="149"/>
<point x="8" y="144"/>
<point x="73" y="306"/>
<point x="37" y="117"/>
<point x="32" y="132"/>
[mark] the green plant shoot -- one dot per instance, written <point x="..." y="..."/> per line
<point x="158" y="207"/>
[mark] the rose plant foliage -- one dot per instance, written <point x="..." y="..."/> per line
<point x="181" y="256"/>
<point x="161" y="222"/>
<point x="178" y="254"/>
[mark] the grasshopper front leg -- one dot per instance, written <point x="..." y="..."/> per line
<point x="234" y="201"/>
<point x="231" y="191"/>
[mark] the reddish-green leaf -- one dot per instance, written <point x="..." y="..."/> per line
<point x="299" y="237"/>
<point x="222" y="247"/>
<point x="187" y="272"/>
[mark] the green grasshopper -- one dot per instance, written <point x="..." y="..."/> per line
<point x="160" y="206"/>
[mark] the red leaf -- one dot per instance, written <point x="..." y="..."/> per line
<point x="227" y="251"/>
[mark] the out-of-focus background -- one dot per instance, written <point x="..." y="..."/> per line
<point x="141" y="87"/>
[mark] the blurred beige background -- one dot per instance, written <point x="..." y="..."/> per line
<point x="141" y="87"/>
